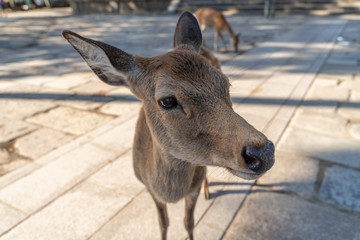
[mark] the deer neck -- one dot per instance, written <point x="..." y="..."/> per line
<point x="229" y="30"/>
<point x="171" y="178"/>
<point x="168" y="178"/>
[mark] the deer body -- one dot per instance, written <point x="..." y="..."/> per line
<point x="210" y="18"/>
<point x="186" y="122"/>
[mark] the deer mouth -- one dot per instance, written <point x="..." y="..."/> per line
<point x="244" y="175"/>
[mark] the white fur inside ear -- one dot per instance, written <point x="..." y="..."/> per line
<point x="96" y="58"/>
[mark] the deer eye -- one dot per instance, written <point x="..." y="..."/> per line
<point x="168" y="103"/>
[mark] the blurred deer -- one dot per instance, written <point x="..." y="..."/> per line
<point x="210" y="18"/>
<point x="186" y="122"/>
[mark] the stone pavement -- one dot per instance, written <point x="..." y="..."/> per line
<point x="65" y="137"/>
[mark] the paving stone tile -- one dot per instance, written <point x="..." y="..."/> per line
<point x="94" y="88"/>
<point x="338" y="77"/>
<point x="318" y="106"/>
<point x="121" y="92"/>
<point x="329" y="124"/>
<point x="70" y="80"/>
<point x="9" y="217"/>
<point x="9" y="165"/>
<point x="76" y="215"/>
<point x="41" y="141"/>
<point x="291" y="173"/>
<point x="354" y="131"/>
<point x="86" y="103"/>
<point x="355" y="96"/>
<point x="79" y="141"/>
<point x="120" y="138"/>
<point x="271" y="216"/>
<point x="6" y="84"/>
<point x="333" y="149"/>
<point x="120" y="108"/>
<point x="45" y="184"/>
<point x="24" y="107"/>
<point x="325" y="82"/>
<point x="271" y="90"/>
<point x="350" y="110"/>
<point x="36" y="80"/>
<point x="119" y="176"/>
<point x="340" y="186"/>
<point x="25" y="168"/>
<point x="353" y="85"/>
<point x="4" y="156"/>
<point x="226" y="204"/>
<point x="328" y="93"/>
<point x="257" y="115"/>
<point x="206" y="232"/>
<point x="70" y="120"/>
<point x="12" y="129"/>
<point x="139" y="220"/>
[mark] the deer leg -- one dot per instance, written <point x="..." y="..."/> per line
<point x="216" y="41"/>
<point x="190" y="202"/>
<point x="206" y="189"/>
<point x="223" y="41"/>
<point x="202" y="28"/>
<point x="163" y="218"/>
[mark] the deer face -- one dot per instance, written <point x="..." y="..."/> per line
<point x="186" y="102"/>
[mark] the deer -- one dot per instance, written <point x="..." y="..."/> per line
<point x="210" y="18"/>
<point x="186" y="121"/>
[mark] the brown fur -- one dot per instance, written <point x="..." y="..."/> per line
<point x="210" y="18"/>
<point x="212" y="59"/>
<point x="172" y="147"/>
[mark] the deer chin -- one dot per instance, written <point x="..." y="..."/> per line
<point x="244" y="175"/>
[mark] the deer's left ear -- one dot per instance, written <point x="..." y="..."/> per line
<point x="188" y="32"/>
<point x="110" y="64"/>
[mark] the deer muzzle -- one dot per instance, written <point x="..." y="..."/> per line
<point x="259" y="160"/>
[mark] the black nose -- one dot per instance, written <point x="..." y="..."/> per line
<point x="259" y="160"/>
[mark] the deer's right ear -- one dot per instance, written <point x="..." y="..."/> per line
<point x="188" y="32"/>
<point x="110" y="64"/>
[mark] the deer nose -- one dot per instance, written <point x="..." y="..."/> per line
<point x="259" y="160"/>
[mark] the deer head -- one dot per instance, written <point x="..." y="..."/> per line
<point x="186" y="102"/>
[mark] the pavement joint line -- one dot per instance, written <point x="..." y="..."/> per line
<point x="117" y="213"/>
<point x="81" y="140"/>
<point x="79" y="183"/>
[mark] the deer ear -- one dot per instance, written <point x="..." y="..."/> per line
<point x="110" y="64"/>
<point x="188" y="32"/>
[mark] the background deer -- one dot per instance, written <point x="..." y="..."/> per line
<point x="210" y="18"/>
<point x="186" y="121"/>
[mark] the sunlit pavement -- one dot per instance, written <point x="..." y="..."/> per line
<point x="66" y="137"/>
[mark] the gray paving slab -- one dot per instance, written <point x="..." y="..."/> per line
<point x="340" y="186"/>
<point x="333" y="149"/>
<point x="320" y="123"/>
<point x="267" y="215"/>
<point x="292" y="173"/>
<point x="9" y="217"/>
<point x="354" y="131"/>
<point x="47" y="183"/>
<point x="41" y="141"/>
<point x="79" y="123"/>
<point x="119" y="176"/>
<point x="24" y="108"/>
<point x="83" y="211"/>
<point x="12" y="129"/>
